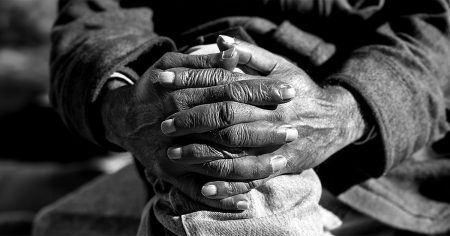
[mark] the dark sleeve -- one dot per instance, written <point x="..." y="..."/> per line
<point x="400" y="75"/>
<point x="91" y="39"/>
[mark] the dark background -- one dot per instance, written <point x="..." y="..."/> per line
<point x="40" y="160"/>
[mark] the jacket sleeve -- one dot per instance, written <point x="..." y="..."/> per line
<point x="394" y="55"/>
<point x="91" y="39"/>
<point x="400" y="73"/>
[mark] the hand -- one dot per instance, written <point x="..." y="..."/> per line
<point x="327" y="119"/>
<point x="132" y="114"/>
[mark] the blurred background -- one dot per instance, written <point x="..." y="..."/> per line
<point x="40" y="160"/>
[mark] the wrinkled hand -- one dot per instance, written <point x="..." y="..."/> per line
<point x="327" y="119"/>
<point x="132" y="115"/>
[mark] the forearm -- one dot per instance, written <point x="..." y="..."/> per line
<point x="91" y="40"/>
<point x="399" y="78"/>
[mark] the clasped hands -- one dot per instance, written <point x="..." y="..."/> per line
<point x="216" y="134"/>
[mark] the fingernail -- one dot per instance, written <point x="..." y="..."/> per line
<point x="278" y="163"/>
<point x="209" y="190"/>
<point x="227" y="39"/>
<point x="229" y="53"/>
<point x="242" y="205"/>
<point x="168" y="126"/>
<point x="291" y="134"/>
<point x="174" y="153"/>
<point x="166" y="77"/>
<point x="287" y="93"/>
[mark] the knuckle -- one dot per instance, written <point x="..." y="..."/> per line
<point x="226" y="113"/>
<point x="219" y="76"/>
<point x="184" y="78"/>
<point x="190" y="77"/>
<point x="214" y="76"/>
<point x="237" y="91"/>
<point x="267" y="88"/>
<point x="203" y="61"/>
<point x="263" y="90"/>
<point x="251" y="90"/>
<point x="196" y="78"/>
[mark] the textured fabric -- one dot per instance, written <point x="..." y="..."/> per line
<point x="423" y="187"/>
<point x="393" y="55"/>
<point x="285" y="205"/>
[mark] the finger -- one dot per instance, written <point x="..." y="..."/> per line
<point x="191" y="185"/>
<point x="254" y="92"/>
<point x="251" y="55"/>
<point x="243" y="168"/>
<point x="227" y="59"/>
<point x="197" y="78"/>
<point x="202" y="49"/>
<point x="254" y="134"/>
<point x="238" y="202"/>
<point x="213" y="116"/>
<point x="197" y="153"/>
<point x="223" y="189"/>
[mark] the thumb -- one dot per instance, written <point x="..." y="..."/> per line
<point x="251" y="55"/>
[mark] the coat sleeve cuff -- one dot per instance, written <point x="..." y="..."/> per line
<point x="386" y="102"/>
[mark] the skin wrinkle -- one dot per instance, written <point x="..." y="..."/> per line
<point x="146" y="137"/>
<point x="324" y="119"/>
<point x="209" y="149"/>
<point x="230" y="89"/>
<point x="202" y="152"/>
<point x="204" y="62"/>
<point x="226" y="114"/>
<point x="229" y="137"/>
<point x="220" y="153"/>
<point x="180" y="100"/>
<point x="265" y="92"/>
<point x="234" y="134"/>
<point x="240" y="93"/>
<point x="232" y="153"/>
<point x="193" y="78"/>
<point x="312" y="112"/>
<point x="246" y="137"/>
<point x="188" y="98"/>
<point x="225" y="167"/>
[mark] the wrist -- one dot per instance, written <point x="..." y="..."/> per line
<point x="355" y="126"/>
